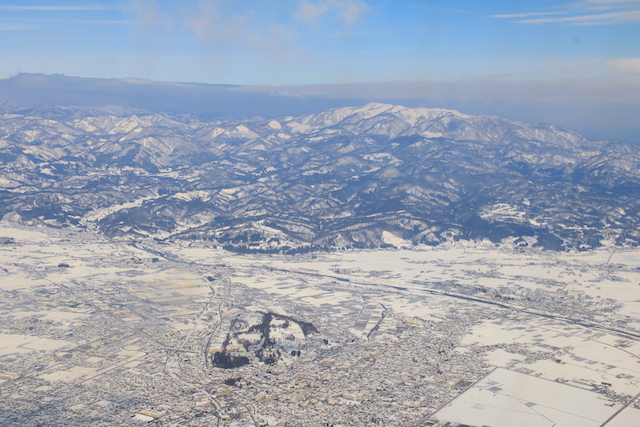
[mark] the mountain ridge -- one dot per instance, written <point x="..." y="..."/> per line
<point x="346" y="177"/>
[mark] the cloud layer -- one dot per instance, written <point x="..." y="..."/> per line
<point x="598" y="108"/>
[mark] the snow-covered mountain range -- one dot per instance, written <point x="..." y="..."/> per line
<point x="348" y="177"/>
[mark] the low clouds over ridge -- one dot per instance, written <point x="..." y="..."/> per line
<point x="598" y="108"/>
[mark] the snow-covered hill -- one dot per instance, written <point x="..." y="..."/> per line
<point x="347" y="177"/>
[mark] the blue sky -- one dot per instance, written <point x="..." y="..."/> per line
<point x="284" y="42"/>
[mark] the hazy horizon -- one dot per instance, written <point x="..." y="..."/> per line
<point x="576" y="65"/>
<point x="602" y="111"/>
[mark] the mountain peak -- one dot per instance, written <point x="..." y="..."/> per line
<point x="372" y="110"/>
<point x="376" y="108"/>
<point x="343" y="177"/>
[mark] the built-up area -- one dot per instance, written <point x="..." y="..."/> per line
<point x="97" y="332"/>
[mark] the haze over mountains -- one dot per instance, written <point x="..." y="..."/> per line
<point x="595" y="108"/>
<point x="202" y="100"/>
<point x="348" y="177"/>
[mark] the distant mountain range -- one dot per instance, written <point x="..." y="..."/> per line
<point x="596" y="108"/>
<point x="371" y="176"/>
<point x="205" y="101"/>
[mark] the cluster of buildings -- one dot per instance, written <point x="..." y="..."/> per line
<point x="136" y="347"/>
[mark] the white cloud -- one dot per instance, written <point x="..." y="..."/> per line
<point x="211" y="24"/>
<point x="15" y="27"/>
<point x="278" y="30"/>
<point x="55" y="8"/>
<point x="350" y="11"/>
<point x="526" y="14"/>
<point x="604" y="4"/>
<point x="220" y="28"/>
<point x="625" y="65"/>
<point x="274" y="29"/>
<point x="613" y="2"/>
<point x="148" y="13"/>
<point x="590" y="19"/>
<point x="586" y="12"/>
<point x="309" y="12"/>
<point x="347" y="11"/>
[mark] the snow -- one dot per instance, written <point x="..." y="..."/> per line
<point x="53" y="315"/>
<point x="6" y="230"/>
<point x="383" y="157"/>
<point x="258" y="147"/>
<point x="216" y="132"/>
<point x="409" y="115"/>
<point x="23" y="344"/>
<point x="85" y="125"/>
<point x="274" y="124"/>
<point x="627" y="418"/>
<point x="143" y="418"/>
<point x="340" y="282"/>
<point x="100" y="213"/>
<point x="372" y="109"/>
<point x="126" y="125"/>
<point x="392" y="239"/>
<point x="390" y="173"/>
<point x="69" y="375"/>
<point x="192" y="195"/>
<point x="502" y="212"/>
<point x="241" y="131"/>
<point x="230" y="191"/>
<point x="298" y="127"/>
<point x="505" y="398"/>
<point x="430" y="134"/>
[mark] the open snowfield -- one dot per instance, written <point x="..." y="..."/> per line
<point x="16" y="344"/>
<point x="506" y="399"/>
<point x="560" y="332"/>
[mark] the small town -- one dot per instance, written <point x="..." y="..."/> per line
<point x="163" y="337"/>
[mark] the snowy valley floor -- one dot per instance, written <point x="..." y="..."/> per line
<point x="102" y="332"/>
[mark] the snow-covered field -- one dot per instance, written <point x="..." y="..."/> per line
<point x="553" y="323"/>
<point x="506" y="398"/>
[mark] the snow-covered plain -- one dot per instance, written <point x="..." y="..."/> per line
<point x="560" y="323"/>
<point x="507" y="398"/>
